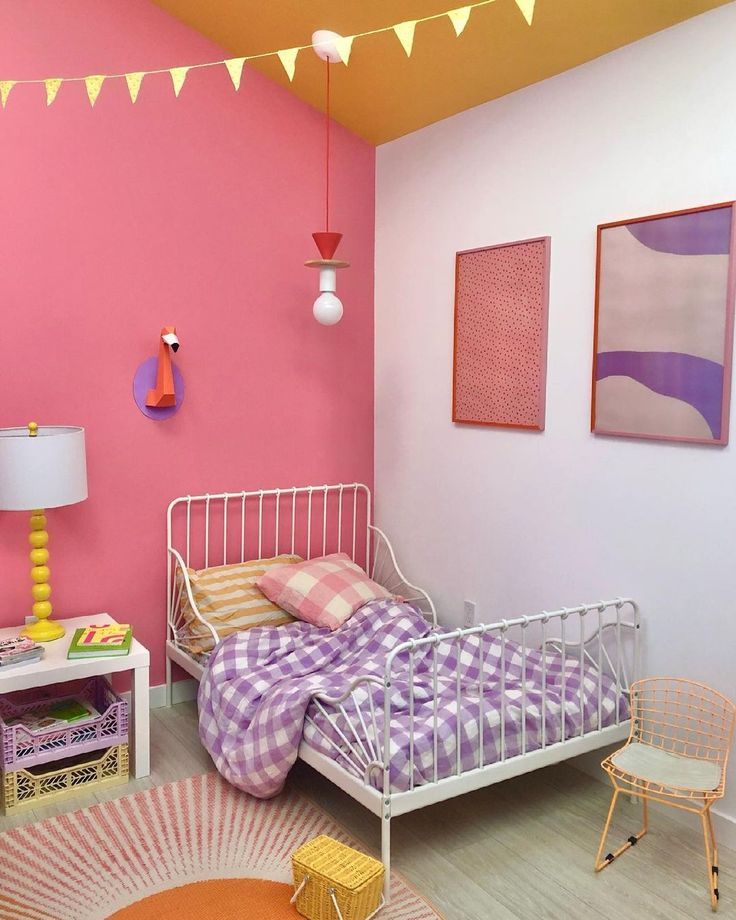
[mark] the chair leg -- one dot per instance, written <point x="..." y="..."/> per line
<point x="713" y="843"/>
<point x="711" y="857"/>
<point x="601" y="863"/>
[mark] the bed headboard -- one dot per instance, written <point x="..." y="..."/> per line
<point x="227" y="527"/>
<point x="216" y="529"/>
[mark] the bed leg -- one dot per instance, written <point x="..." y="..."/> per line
<point x="386" y="849"/>
<point x="168" y="682"/>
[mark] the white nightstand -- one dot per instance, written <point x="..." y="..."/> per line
<point x="55" y="668"/>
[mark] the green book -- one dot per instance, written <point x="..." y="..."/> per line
<point x="70" y="710"/>
<point x="113" y="647"/>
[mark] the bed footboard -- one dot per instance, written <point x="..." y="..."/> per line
<point x="598" y="645"/>
<point x="576" y="703"/>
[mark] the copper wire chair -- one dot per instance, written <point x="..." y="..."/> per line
<point x="676" y="754"/>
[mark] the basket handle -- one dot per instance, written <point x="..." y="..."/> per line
<point x="381" y="905"/>
<point x="299" y="890"/>
<point x="331" y="892"/>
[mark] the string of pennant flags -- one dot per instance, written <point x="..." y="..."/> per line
<point x="404" y="31"/>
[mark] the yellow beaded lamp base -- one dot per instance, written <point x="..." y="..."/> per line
<point x="45" y="630"/>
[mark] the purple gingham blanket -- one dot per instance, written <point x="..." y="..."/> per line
<point x="256" y="700"/>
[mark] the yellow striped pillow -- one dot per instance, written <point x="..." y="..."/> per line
<point x="229" y="600"/>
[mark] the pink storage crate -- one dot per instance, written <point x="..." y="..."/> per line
<point x="20" y="747"/>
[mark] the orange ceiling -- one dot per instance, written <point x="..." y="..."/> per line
<point x="382" y="94"/>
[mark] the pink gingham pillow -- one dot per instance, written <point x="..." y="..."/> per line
<point x="325" y="591"/>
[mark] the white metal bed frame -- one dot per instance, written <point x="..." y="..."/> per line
<point x="313" y="520"/>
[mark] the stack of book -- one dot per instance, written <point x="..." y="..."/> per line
<point x="60" y="714"/>
<point x="109" y="641"/>
<point x="18" y="650"/>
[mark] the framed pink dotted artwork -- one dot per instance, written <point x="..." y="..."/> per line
<point x="500" y="354"/>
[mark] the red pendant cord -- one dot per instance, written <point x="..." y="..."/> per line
<point x="327" y="156"/>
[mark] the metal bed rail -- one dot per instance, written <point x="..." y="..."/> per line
<point x="571" y="641"/>
<point x="594" y="641"/>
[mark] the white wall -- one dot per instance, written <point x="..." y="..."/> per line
<point x="521" y="521"/>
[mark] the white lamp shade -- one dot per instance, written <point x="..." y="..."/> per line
<point x="45" y="471"/>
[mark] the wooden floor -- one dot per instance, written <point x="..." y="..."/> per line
<point x="520" y="850"/>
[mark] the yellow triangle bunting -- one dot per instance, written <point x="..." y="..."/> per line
<point x="405" y="34"/>
<point x="52" y="88"/>
<point x="344" y="46"/>
<point x="178" y="76"/>
<point x="94" y="85"/>
<point x="235" y="69"/>
<point x="527" y="8"/>
<point x="459" y="18"/>
<point x="5" y="87"/>
<point x="134" y="81"/>
<point x="288" y="59"/>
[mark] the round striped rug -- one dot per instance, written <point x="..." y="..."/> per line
<point x="195" y="848"/>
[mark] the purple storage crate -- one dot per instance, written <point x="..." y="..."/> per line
<point x="20" y="747"/>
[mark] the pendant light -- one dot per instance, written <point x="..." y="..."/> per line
<point x="327" y="307"/>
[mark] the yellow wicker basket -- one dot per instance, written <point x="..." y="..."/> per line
<point x="333" y="881"/>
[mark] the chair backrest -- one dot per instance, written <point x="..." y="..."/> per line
<point x="682" y="717"/>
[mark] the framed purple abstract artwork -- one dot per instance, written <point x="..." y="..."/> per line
<point x="664" y="326"/>
<point x="500" y="354"/>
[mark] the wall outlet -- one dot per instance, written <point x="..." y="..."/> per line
<point x="30" y="619"/>
<point x="469" y="613"/>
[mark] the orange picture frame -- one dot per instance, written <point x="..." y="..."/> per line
<point x="499" y="373"/>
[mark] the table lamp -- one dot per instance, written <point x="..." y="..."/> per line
<point x="41" y="467"/>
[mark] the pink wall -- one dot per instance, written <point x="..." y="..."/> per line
<point x="198" y="212"/>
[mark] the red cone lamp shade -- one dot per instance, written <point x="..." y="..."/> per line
<point x="327" y="242"/>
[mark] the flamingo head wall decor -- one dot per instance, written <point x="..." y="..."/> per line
<point x="158" y="386"/>
<point x="170" y="338"/>
<point x="164" y="393"/>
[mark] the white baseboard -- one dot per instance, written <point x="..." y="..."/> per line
<point x="725" y="824"/>
<point x="182" y="691"/>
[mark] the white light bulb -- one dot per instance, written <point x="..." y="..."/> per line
<point x="327" y="309"/>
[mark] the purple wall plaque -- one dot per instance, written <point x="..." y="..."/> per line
<point x="145" y="380"/>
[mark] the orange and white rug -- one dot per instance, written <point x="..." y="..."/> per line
<point x="195" y="849"/>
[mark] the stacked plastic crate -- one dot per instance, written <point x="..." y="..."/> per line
<point x="41" y="766"/>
